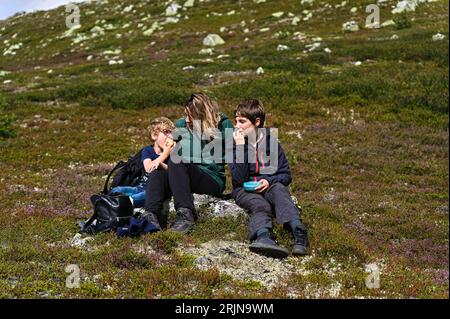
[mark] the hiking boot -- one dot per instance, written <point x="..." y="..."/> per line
<point x="152" y="219"/>
<point x="265" y="245"/>
<point x="300" y="240"/>
<point x="184" y="222"/>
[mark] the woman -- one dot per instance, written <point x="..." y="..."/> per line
<point x="195" y="170"/>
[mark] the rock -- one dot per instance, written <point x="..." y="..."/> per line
<point x="357" y="63"/>
<point x="188" y="68"/>
<point x="438" y="37"/>
<point x="394" y="37"/>
<point x="213" y="40"/>
<point x="7" y="82"/>
<point x="209" y="51"/>
<point x="278" y="14"/>
<point x="353" y="10"/>
<point x="282" y="47"/>
<point x="235" y="259"/>
<point x="350" y="26"/>
<point x="79" y="241"/>
<point x="172" y="9"/>
<point x="264" y="30"/>
<point x="259" y="1"/>
<point x="295" y="21"/>
<point x="4" y="73"/>
<point x="71" y="31"/>
<point x="260" y="71"/>
<point x="327" y="50"/>
<point x="128" y="9"/>
<point x="189" y="3"/>
<point x="97" y="30"/>
<point x="405" y="6"/>
<point x="306" y="2"/>
<point x="171" y="20"/>
<point x="388" y="23"/>
<point x="311" y="47"/>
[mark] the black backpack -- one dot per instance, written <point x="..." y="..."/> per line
<point x="112" y="210"/>
<point x="128" y="173"/>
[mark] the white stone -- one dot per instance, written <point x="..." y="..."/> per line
<point x="264" y="30"/>
<point x="350" y="26"/>
<point x="311" y="47"/>
<point x="282" y="47"/>
<point x="438" y="37"/>
<point x="260" y="71"/>
<point x="4" y="73"/>
<point x="212" y="40"/>
<point x="278" y="14"/>
<point x="358" y="63"/>
<point x="387" y="23"/>
<point x="128" y="9"/>
<point x="172" y="9"/>
<point x="7" y="82"/>
<point x="209" y="51"/>
<point x="189" y="3"/>
<point x="407" y="6"/>
<point x="394" y="37"/>
<point x="97" y="30"/>
<point x="188" y="68"/>
<point x="353" y="10"/>
<point x="327" y="50"/>
<point x="295" y="21"/>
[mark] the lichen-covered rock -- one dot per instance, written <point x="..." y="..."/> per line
<point x="235" y="259"/>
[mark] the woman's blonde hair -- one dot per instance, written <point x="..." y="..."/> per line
<point x="203" y="108"/>
<point x="157" y="125"/>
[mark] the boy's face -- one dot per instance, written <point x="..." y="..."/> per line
<point x="245" y="126"/>
<point x="162" y="136"/>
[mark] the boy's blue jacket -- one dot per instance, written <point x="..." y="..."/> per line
<point x="258" y="163"/>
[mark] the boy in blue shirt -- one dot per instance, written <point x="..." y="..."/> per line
<point x="271" y="198"/>
<point x="153" y="156"/>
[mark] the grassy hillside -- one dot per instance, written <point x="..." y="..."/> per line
<point x="363" y="117"/>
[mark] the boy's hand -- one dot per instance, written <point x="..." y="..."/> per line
<point x="169" y="145"/>
<point x="239" y="138"/>
<point x="264" y="184"/>
<point x="154" y="166"/>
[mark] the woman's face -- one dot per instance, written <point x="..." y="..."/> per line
<point x="188" y="117"/>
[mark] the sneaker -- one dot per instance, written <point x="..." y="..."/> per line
<point x="152" y="219"/>
<point x="265" y="245"/>
<point x="300" y="240"/>
<point x="184" y="222"/>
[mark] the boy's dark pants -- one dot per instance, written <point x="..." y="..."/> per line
<point x="262" y="205"/>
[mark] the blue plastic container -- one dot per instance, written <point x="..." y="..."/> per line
<point x="250" y="186"/>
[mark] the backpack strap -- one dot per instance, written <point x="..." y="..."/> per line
<point x="118" y="165"/>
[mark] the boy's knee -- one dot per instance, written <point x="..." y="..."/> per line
<point x="278" y="187"/>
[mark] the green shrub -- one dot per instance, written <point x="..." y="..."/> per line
<point x="5" y="120"/>
<point x="402" y="21"/>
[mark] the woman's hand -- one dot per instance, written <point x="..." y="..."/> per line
<point x="264" y="184"/>
<point x="239" y="138"/>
